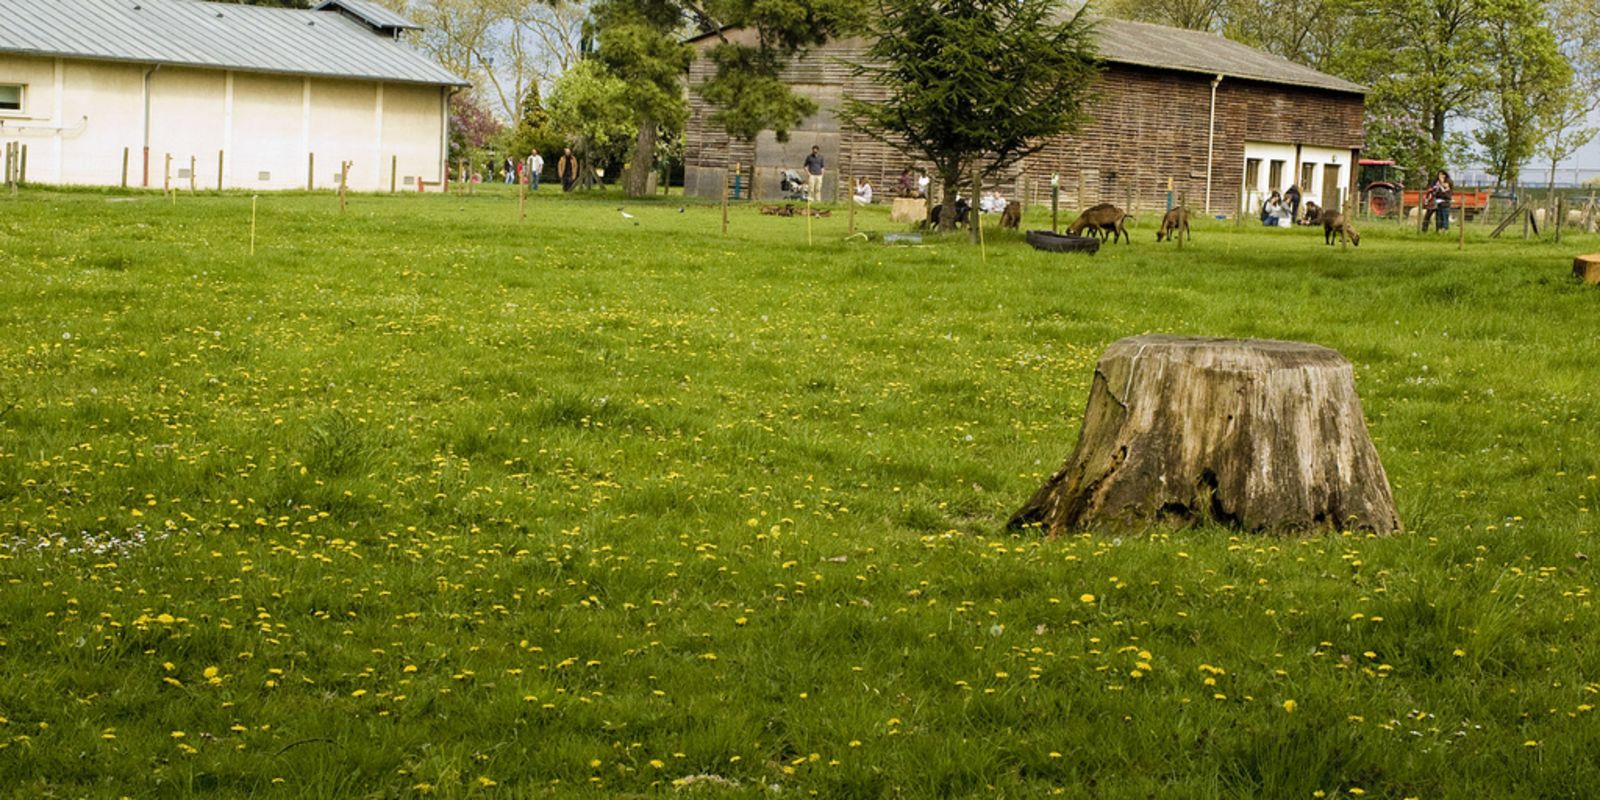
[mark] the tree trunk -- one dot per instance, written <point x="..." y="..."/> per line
<point x="1250" y="434"/>
<point x="637" y="182"/>
<point x="947" y="204"/>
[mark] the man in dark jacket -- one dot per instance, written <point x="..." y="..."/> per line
<point x="567" y="169"/>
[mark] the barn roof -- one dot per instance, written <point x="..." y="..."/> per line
<point x="1147" y="45"/>
<point x="358" y="43"/>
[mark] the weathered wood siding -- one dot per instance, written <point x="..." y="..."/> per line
<point x="1144" y="127"/>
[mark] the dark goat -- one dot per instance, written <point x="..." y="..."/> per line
<point x="1334" y="223"/>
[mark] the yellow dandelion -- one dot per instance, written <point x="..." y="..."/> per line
<point x="1289" y="706"/>
<point x="1086" y="598"/>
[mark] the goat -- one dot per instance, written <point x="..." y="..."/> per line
<point x="1012" y="216"/>
<point x="1175" y="224"/>
<point x="1105" y="219"/>
<point x="1335" y="223"/>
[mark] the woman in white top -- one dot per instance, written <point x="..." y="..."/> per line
<point x="863" y="192"/>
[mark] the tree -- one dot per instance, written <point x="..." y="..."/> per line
<point x="1576" y="26"/>
<point x="1197" y="15"/>
<point x="640" y="43"/>
<point x="1528" y="88"/>
<point x="1310" y="32"/>
<point x="973" y="83"/>
<point x="1426" y="62"/>
<point x="472" y="127"/>
<point x="747" y="88"/>
<point x="532" y="130"/>
<point x="590" y="108"/>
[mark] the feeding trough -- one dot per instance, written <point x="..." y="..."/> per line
<point x="1061" y="243"/>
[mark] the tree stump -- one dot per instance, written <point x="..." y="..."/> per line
<point x="1587" y="268"/>
<point x="1251" y="434"/>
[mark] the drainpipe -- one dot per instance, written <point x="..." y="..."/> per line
<point x="1211" y="142"/>
<point x="147" y="73"/>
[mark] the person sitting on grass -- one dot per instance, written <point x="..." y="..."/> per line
<point x="1273" y="211"/>
<point x="863" y="192"/>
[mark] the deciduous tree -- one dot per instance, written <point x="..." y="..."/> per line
<point x="973" y="83"/>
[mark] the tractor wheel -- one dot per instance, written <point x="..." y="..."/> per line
<point x="1381" y="201"/>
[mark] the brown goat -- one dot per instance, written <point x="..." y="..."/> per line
<point x="1335" y="223"/>
<point x="1174" y="224"/>
<point x="1012" y="216"/>
<point x="1103" y="219"/>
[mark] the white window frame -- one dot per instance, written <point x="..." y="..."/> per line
<point x="22" y="101"/>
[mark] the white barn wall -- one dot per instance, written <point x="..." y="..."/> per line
<point x="262" y="122"/>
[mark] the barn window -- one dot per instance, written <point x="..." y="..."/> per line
<point x="11" y="96"/>
<point x="1252" y="174"/>
<point x="1275" y="176"/>
<point x="263" y="176"/>
<point x="1308" y="172"/>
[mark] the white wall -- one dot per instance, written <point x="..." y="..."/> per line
<point x="1318" y="158"/>
<point x="79" y="116"/>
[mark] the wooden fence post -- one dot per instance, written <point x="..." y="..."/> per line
<point x="1182" y="203"/>
<point x="22" y="168"/>
<point x="219" y="170"/>
<point x="1055" y="202"/>
<point x="850" y="213"/>
<point x="394" y="163"/>
<point x="1561" y="215"/>
<point x="344" y="180"/>
<point x="166" y="178"/>
<point x="725" y="181"/>
<point x="124" y="167"/>
<point x="311" y="171"/>
<point x="192" y="182"/>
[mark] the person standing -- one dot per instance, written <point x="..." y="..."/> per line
<point x="511" y="170"/>
<point x="814" y="170"/>
<point x="1291" y="198"/>
<point x="567" y="169"/>
<point x="535" y="167"/>
<point x="1441" y="191"/>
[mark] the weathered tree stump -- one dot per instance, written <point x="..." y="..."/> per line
<point x="1587" y="268"/>
<point x="1251" y="434"/>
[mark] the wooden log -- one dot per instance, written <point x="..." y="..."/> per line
<point x="1257" y="435"/>
<point x="1587" y="268"/>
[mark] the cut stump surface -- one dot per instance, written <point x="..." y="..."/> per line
<point x="1587" y="268"/>
<point x="1252" y="434"/>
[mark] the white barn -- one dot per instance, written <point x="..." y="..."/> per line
<point x="103" y="92"/>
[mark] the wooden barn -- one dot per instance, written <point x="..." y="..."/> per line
<point x="1223" y="122"/>
<point x="218" y="95"/>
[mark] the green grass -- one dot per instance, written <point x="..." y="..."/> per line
<point x="420" y="498"/>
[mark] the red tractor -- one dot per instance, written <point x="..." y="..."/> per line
<point x="1382" y="185"/>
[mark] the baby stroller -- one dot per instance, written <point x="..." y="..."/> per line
<point x="793" y="185"/>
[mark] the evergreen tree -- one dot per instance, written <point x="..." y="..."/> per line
<point x="973" y="84"/>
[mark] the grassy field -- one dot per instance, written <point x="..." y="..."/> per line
<point x="421" y="500"/>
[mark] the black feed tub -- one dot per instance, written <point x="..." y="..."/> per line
<point x="1062" y="243"/>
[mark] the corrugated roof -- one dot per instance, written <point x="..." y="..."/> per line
<point x="373" y="14"/>
<point x="1147" y="45"/>
<point x="194" y="33"/>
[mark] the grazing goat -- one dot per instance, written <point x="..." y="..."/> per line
<point x="1012" y="216"/>
<point x="1175" y="224"/>
<point x="1333" y="222"/>
<point x="1104" y="219"/>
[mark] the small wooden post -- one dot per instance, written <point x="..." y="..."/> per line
<point x="124" y="167"/>
<point x="192" y="181"/>
<point x="1344" y="237"/>
<point x="1055" y="202"/>
<point x="850" y="214"/>
<point x="219" y="170"/>
<point x="1182" y="203"/>
<point x="311" y="171"/>
<point x="725" y="180"/>
<point x="22" y="168"/>
<point x="1561" y="214"/>
<point x="1527" y="218"/>
<point x="344" y="181"/>
<point x="977" y="214"/>
<point x="166" y="179"/>
<point x="809" y="241"/>
<point x="522" y="201"/>
<point x="253" y="224"/>
<point x="1461" y="230"/>
<point x="394" y="163"/>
